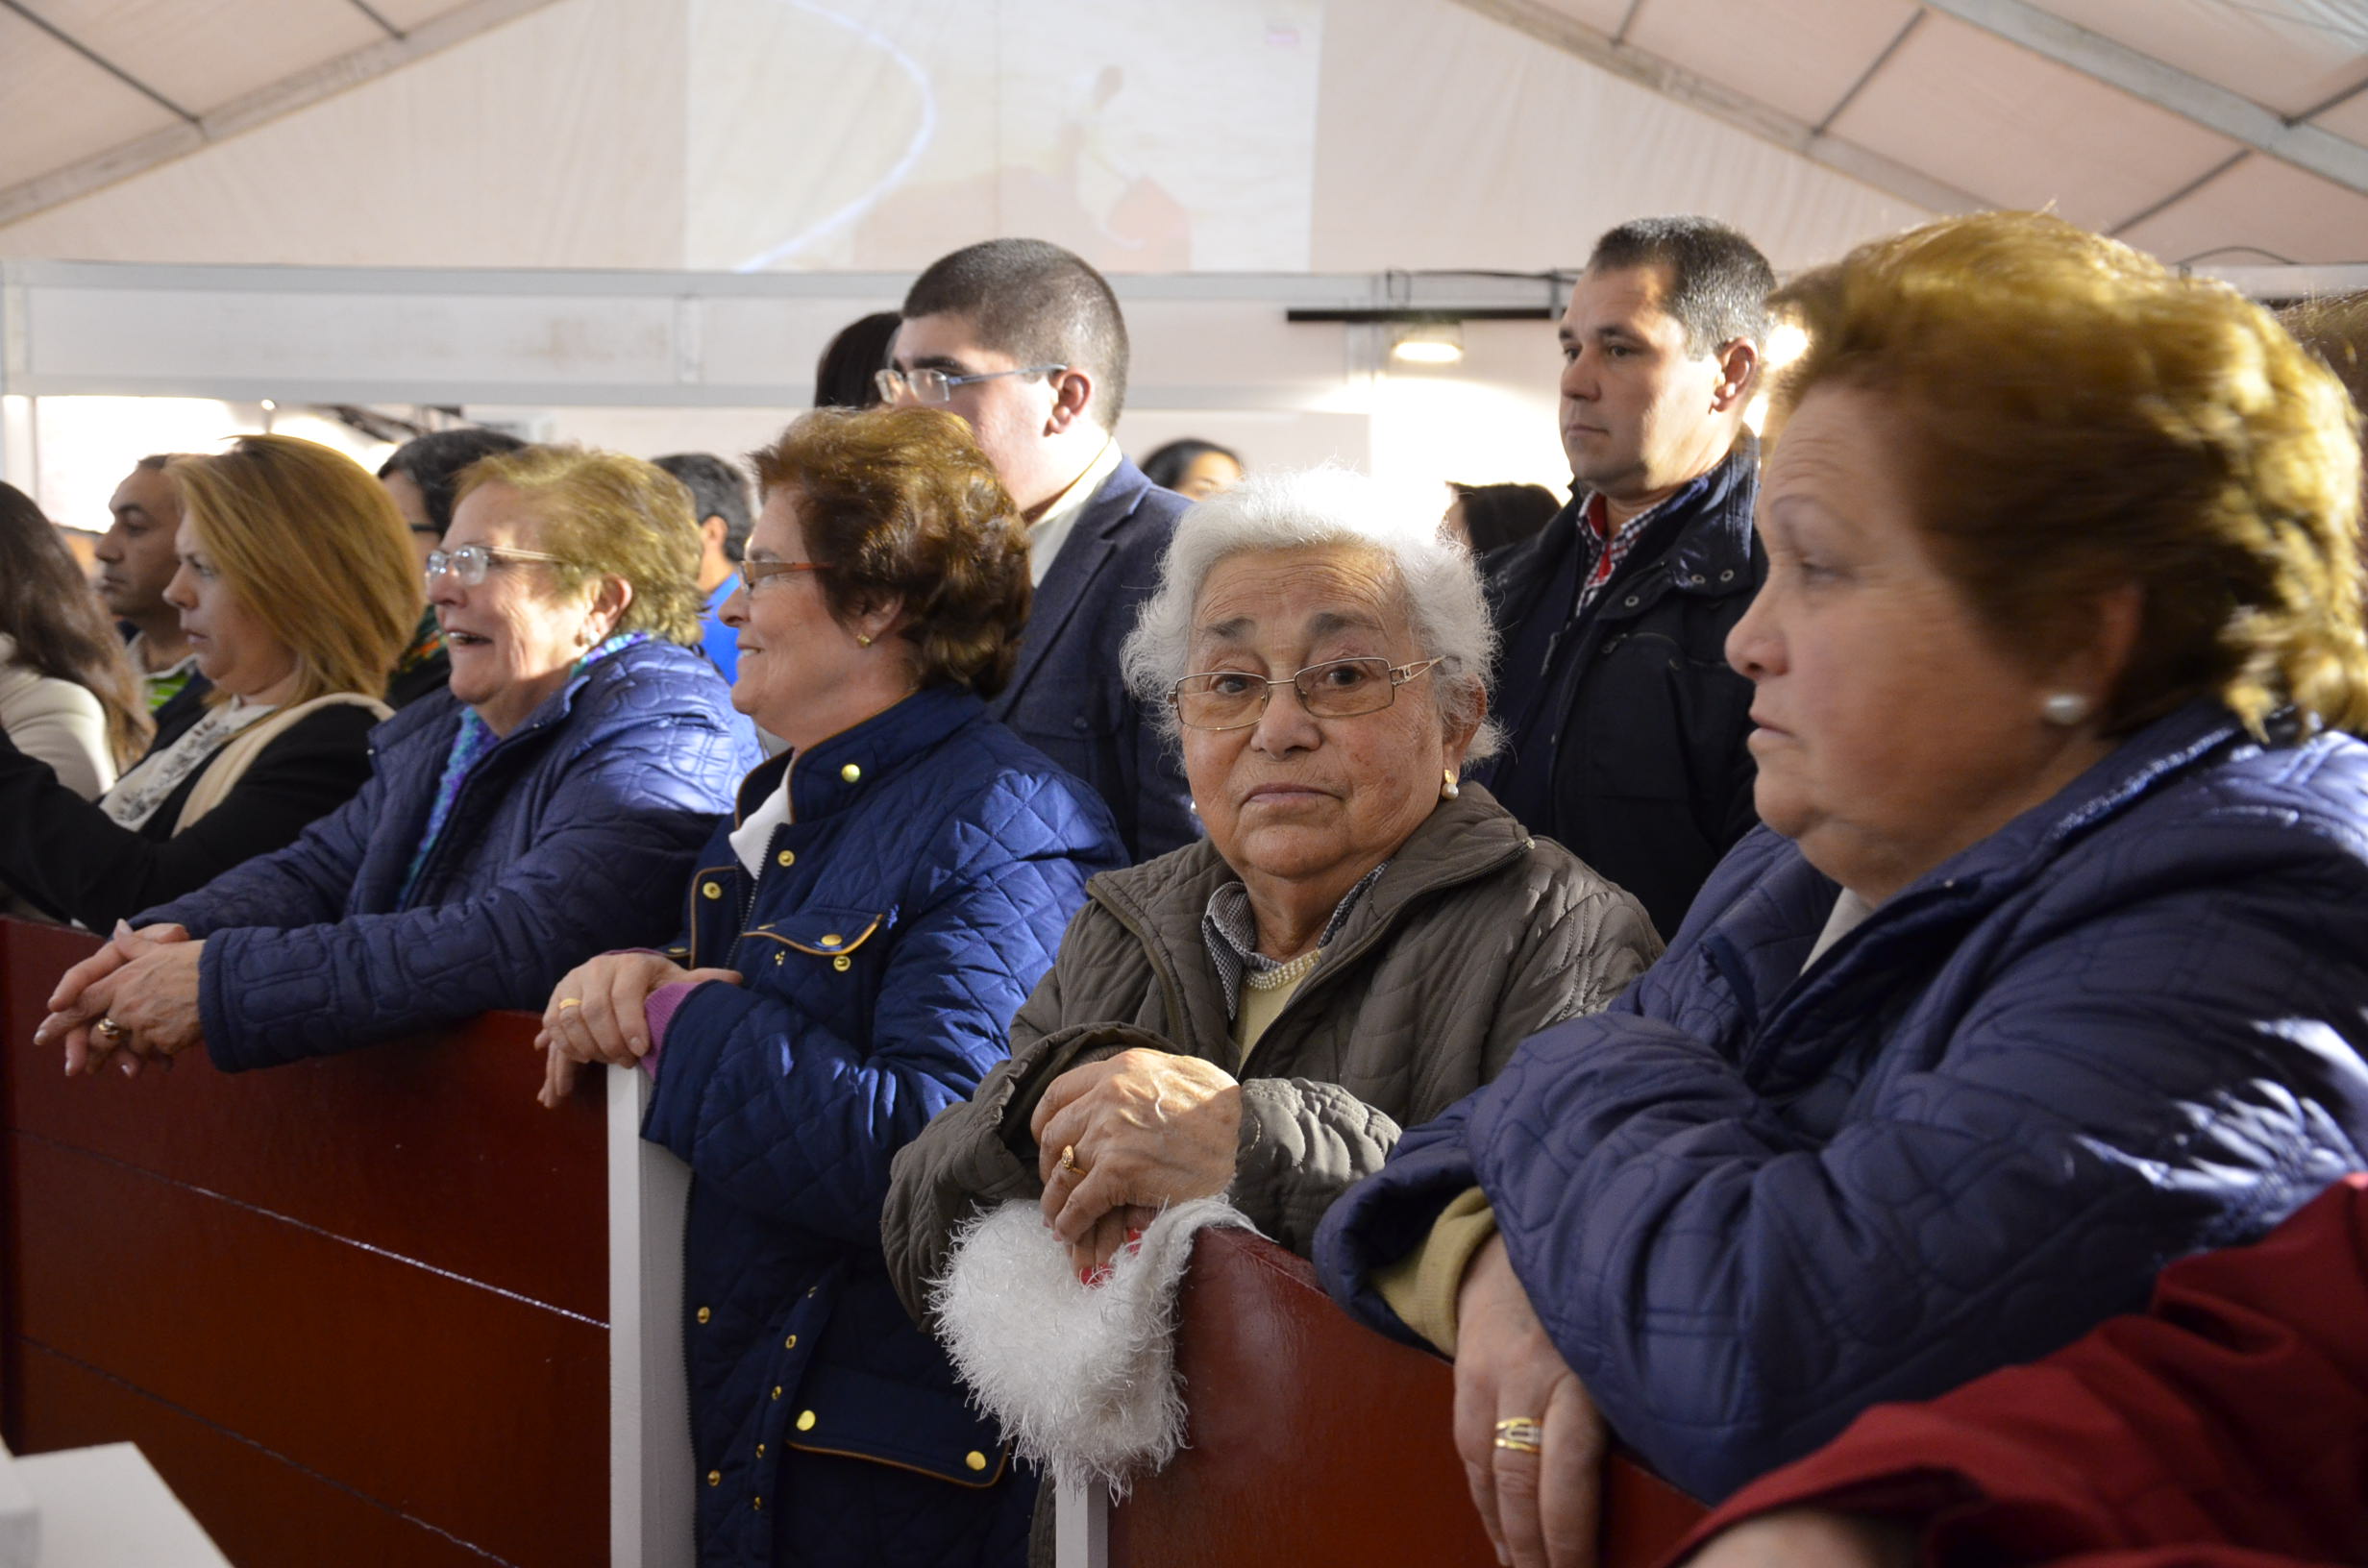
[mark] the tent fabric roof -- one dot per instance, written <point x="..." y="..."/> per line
<point x="2218" y="130"/>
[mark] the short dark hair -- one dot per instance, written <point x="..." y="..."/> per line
<point x="1038" y="303"/>
<point x="900" y="503"/>
<point x="1718" y="281"/>
<point x="433" y="462"/>
<point x="1165" y="467"/>
<point x="847" y="375"/>
<point x="717" y="490"/>
<point x="1497" y="515"/>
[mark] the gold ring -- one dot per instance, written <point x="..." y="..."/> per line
<point x="1069" y="1158"/>
<point x="1520" y="1434"/>
<point x="566" y="1002"/>
<point x="109" y="1028"/>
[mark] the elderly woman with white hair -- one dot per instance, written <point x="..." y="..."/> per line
<point x="1361" y="938"/>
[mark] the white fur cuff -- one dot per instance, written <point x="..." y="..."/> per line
<point x="1081" y="1378"/>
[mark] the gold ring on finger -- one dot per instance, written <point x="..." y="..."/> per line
<point x="1069" y="1158"/>
<point x="1520" y="1434"/>
<point x="110" y="1029"/>
<point x="566" y="1002"/>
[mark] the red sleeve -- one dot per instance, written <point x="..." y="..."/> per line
<point x="2229" y="1424"/>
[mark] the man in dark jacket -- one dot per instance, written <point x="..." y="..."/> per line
<point x="1024" y="342"/>
<point x="1626" y="728"/>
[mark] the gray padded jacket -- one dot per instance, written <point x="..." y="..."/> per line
<point x="1475" y="938"/>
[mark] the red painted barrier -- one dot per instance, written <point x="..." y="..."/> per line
<point x="1316" y="1442"/>
<point x="354" y="1310"/>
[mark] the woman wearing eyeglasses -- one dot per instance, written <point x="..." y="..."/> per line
<point x="543" y="809"/>
<point x="1360" y="940"/>
<point x="858" y="937"/>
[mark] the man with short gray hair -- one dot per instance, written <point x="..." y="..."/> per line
<point x="1625" y="727"/>
<point x="1023" y="340"/>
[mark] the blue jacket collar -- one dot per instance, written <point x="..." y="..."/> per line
<point x="837" y="772"/>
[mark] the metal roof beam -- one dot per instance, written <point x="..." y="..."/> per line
<point x="257" y="107"/>
<point x="1647" y="69"/>
<point x="2207" y="103"/>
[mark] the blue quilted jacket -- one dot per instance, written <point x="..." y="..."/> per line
<point x="1750" y="1201"/>
<point x="930" y="865"/>
<point x="571" y="836"/>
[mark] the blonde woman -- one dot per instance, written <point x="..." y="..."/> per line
<point x="296" y="588"/>
<point x="545" y="807"/>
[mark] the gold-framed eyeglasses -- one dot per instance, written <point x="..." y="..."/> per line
<point x="936" y="386"/>
<point x="1335" y="689"/>
<point x="753" y="573"/>
<point x="469" y="564"/>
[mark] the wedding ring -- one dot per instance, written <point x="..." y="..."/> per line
<point x="1069" y="1158"/>
<point x="110" y="1029"/>
<point x="1520" y="1434"/>
<point x="566" y="1002"/>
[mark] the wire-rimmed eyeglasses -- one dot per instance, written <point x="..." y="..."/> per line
<point x="469" y="564"/>
<point x="753" y="573"/>
<point x="936" y="386"/>
<point x="1335" y="689"/>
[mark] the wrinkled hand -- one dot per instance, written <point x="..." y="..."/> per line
<point x="146" y="984"/>
<point x="72" y="1009"/>
<point x="1539" y="1509"/>
<point x="1811" y="1538"/>
<point x="597" y="1014"/>
<point x="1148" y="1129"/>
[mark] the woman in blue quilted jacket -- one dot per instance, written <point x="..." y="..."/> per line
<point x="859" y="938"/>
<point x="2049" y="963"/>
<point x="540" y="811"/>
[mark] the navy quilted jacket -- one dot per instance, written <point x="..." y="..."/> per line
<point x="571" y="836"/>
<point x="1749" y="1202"/>
<point x="930" y="865"/>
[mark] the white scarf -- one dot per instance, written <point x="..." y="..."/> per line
<point x="138" y="793"/>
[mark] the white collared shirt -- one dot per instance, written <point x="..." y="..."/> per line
<point x="1049" y="532"/>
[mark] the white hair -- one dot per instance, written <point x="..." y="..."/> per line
<point x="1276" y="511"/>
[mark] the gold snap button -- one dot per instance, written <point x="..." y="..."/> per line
<point x="710" y="890"/>
<point x="787" y="857"/>
<point x="790" y="1344"/>
<point x="758" y="1502"/>
<point x="851" y="772"/>
<point x="704" y="1314"/>
<point x="760" y="1451"/>
<point x="776" y="1391"/>
<point x="832" y="940"/>
<point x="805" y="1420"/>
<point x="842" y="962"/>
<point x="779" y="958"/>
<point x="715" y="1477"/>
<point x="974" y="1460"/>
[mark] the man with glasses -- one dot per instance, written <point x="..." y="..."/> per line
<point x="1023" y="340"/>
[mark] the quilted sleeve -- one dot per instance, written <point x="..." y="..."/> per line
<point x="2175" y="1072"/>
<point x="607" y="865"/>
<point x="791" y="1115"/>
<point x="1304" y="1143"/>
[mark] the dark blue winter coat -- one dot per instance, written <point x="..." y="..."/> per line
<point x="930" y="865"/>
<point x="571" y="836"/>
<point x="1749" y="1202"/>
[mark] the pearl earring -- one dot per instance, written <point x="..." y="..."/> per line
<point x="1448" y="789"/>
<point x="2065" y="709"/>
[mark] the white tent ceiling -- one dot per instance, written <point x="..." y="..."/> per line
<point x="1223" y="134"/>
